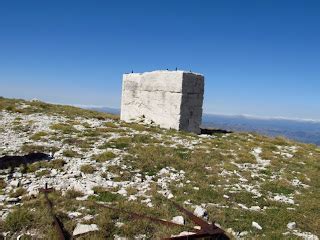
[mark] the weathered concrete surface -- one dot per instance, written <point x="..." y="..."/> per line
<point x="172" y="99"/>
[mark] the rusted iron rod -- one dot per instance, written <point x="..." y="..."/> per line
<point x="205" y="227"/>
<point x="202" y="236"/>
<point x="153" y="219"/>
<point x="207" y="231"/>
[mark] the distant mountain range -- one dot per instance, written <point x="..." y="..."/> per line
<point x="300" y="130"/>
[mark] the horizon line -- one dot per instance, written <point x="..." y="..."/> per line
<point x="244" y="115"/>
<point x="249" y="116"/>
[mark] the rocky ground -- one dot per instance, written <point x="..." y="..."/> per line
<point x="250" y="185"/>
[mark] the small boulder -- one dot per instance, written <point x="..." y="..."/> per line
<point x="122" y="192"/>
<point x="178" y="220"/>
<point x="185" y="233"/>
<point x="256" y="225"/>
<point x="170" y="195"/>
<point x="84" y="228"/>
<point x="15" y="183"/>
<point x="242" y="234"/>
<point x="3" y="198"/>
<point x="200" y="212"/>
<point x="73" y="215"/>
<point x="255" y="208"/>
<point x="88" y="217"/>
<point x="291" y="225"/>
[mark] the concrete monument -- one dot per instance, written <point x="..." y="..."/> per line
<point x="171" y="99"/>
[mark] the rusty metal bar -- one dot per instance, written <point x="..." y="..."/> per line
<point x="207" y="231"/>
<point x="205" y="227"/>
<point x="153" y="219"/>
<point x="203" y="236"/>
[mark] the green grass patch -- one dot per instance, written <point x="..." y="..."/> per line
<point x="37" y="136"/>
<point x="278" y="186"/>
<point x="106" y="196"/>
<point x="104" y="156"/>
<point x="18" y="192"/>
<point x="88" y="169"/>
<point x="71" y="153"/>
<point x="18" y="219"/>
<point x="118" y="143"/>
<point x="42" y="173"/>
<point x="64" y="128"/>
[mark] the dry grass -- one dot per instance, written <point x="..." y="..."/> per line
<point x="214" y="168"/>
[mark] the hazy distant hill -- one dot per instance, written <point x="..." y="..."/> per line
<point x="304" y="131"/>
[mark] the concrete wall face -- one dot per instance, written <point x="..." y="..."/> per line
<point x="172" y="99"/>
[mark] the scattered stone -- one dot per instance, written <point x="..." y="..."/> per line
<point x="178" y="220"/>
<point x="72" y="215"/>
<point x="255" y="208"/>
<point x="132" y="198"/>
<point x="116" y="237"/>
<point x="291" y="225"/>
<point x="2" y="198"/>
<point x="184" y="233"/>
<point x="164" y="171"/>
<point x="119" y="224"/>
<point x="82" y="198"/>
<point x="243" y="206"/>
<point x="200" y="211"/>
<point x="122" y="192"/>
<point x="88" y="217"/>
<point x="84" y="228"/>
<point x="242" y="234"/>
<point x="305" y="235"/>
<point x="256" y="225"/>
<point x="283" y="198"/>
<point x="4" y="214"/>
<point x="15" y="183"/>
<point x="170" y="195"/>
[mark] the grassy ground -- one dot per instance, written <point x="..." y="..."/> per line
<point x="239" y="177"/>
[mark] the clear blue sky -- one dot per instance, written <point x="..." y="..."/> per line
<point x="259" y="57"/>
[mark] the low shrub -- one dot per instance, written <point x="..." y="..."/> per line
<point x="71" y="153"/>
<point x="18" y="219"/>
<point x="88" y="169"/>
<point x="72" y="193"/>
<point x="104" y="156"/>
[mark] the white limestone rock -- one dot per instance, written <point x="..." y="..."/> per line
<point x="291" y="225"/>
<point x="14" y="183"/>
<point x="200" y="211"/>
<point x="84" y="228"/>
<point x="256" y="225"/>
<point x="184" y="233"/>
<point x="255" y="208"/>
<point x="178" y="220"/>
<point x="122" y="192"/>
<point x="73" y="215"/>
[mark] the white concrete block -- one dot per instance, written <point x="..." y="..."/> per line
<point x="171" y="99"/>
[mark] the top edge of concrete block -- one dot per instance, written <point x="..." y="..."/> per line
<point x="166" y="71"/>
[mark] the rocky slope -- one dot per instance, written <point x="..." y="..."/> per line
<point x="251" y="185"/>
